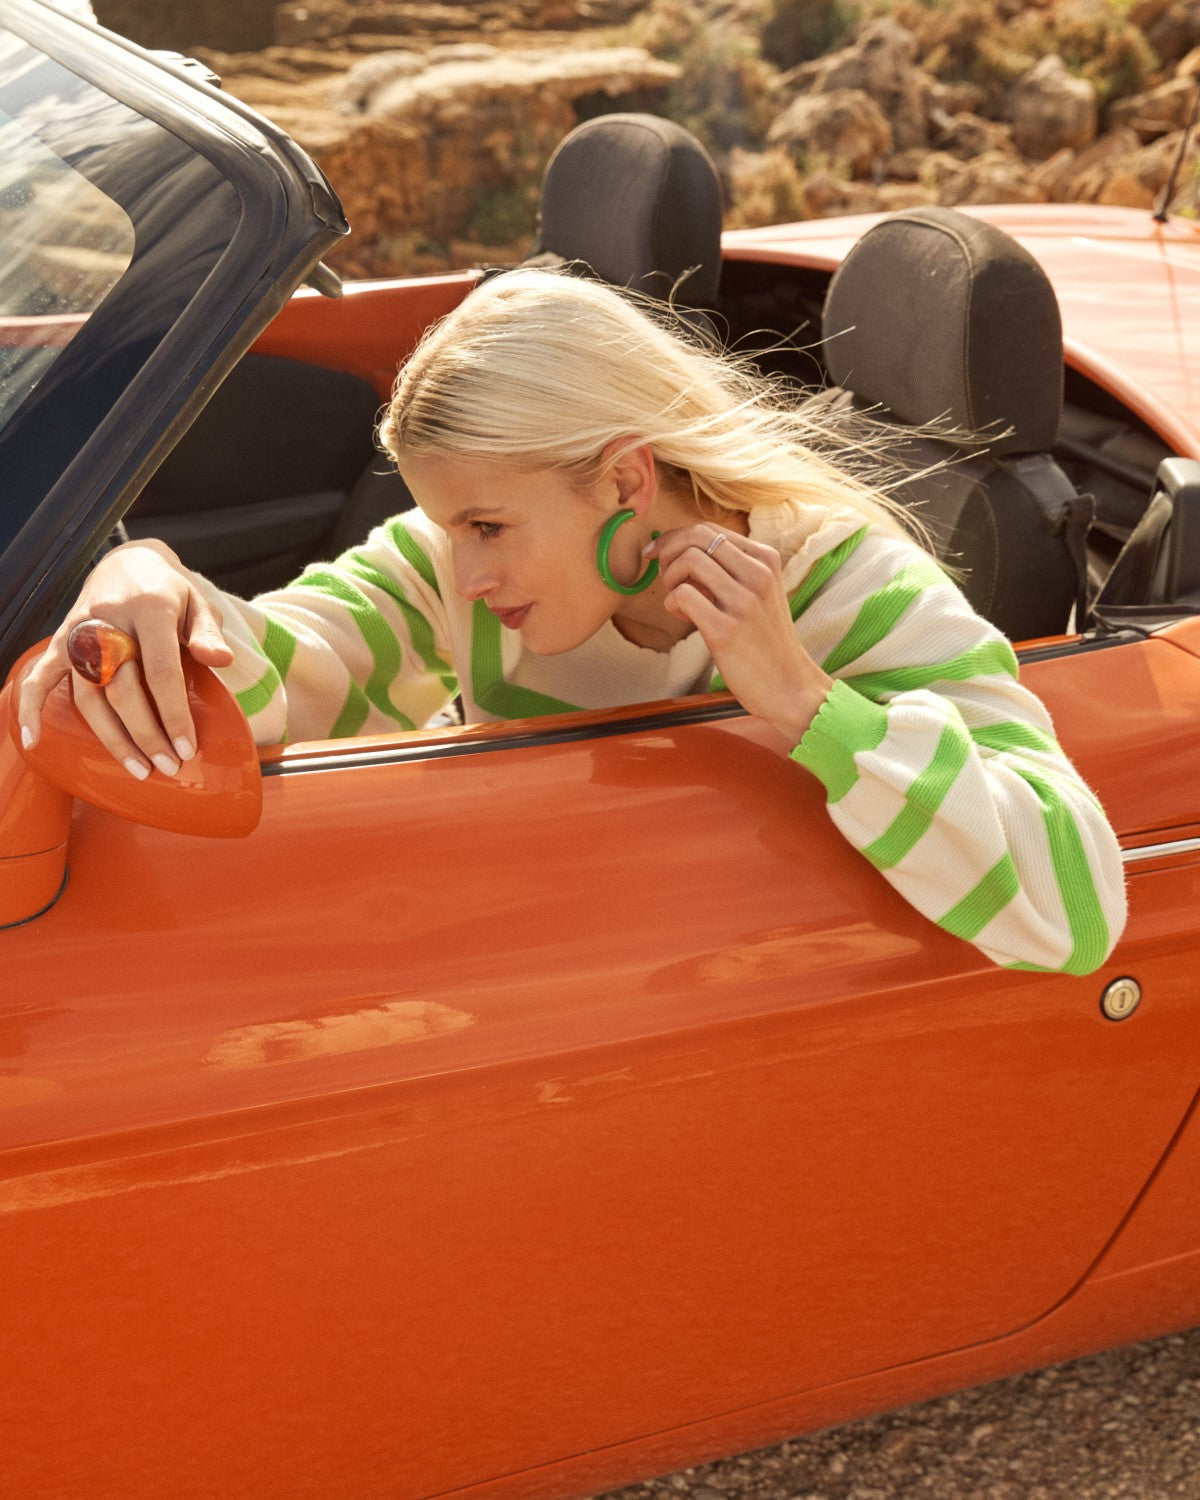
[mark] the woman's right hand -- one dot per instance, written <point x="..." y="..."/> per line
<point x="142" y="717"/>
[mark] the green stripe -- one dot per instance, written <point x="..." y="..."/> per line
<point x="880" y="612"/>
<point x="823" y="570"/>
<point x="253" y="700"/>
<point x="819" y="575"/>
<point x="413" y="553"/>
<point x="1013" y="737"/>
<point x="990" y="657"/>
<point x="279" y="646"/>
<point x="419" y="629"/>
<point x="984" y="902"/>
<point x="846" y="725"/>
<point x="923" y="798"/>
<point x="490" y="691"/>
<point x="353" y="715"/>
<point x="374" y="629"/>
<point x="1085" y="915"/>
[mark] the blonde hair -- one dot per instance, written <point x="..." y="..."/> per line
<point x="544" y="369"/>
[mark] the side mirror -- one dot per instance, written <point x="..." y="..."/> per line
<point x="217" y="794"/>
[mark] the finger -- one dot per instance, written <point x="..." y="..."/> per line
<point x="733" y="584"/>
<point x="202" y="633"/>
<point x="49" y="671"/>
<point x="106" y="726"/>
<point x="165" y="698"/>
<point x="691" y="603"/>
<point x="733" y="545"/>
<point x="128" y="698"/>
<point x="672" y="544"/>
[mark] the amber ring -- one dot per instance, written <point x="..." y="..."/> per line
<point x="98" y="651"/>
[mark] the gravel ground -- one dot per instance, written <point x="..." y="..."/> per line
<point x="1120" y="1426"/>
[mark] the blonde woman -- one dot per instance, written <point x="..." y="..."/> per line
<point x="606" y="515"/>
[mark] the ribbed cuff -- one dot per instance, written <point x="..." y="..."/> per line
<point x="846" y="724"/>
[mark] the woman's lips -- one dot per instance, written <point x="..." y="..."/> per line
<point x="511" y="619"/>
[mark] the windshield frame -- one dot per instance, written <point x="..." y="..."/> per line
<point x="288" y="217"/>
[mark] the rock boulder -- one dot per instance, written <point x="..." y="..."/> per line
<point x="1050" y="109"/>
<point x="1158" y="111"/>
<point x="881" y="63"/>
<point x="424" y="149"/>
<point x="234" y="25"/>
<point x="843" y="128"/>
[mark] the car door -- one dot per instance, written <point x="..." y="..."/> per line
<point x="518" y="1091"/>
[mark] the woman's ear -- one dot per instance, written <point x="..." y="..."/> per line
<point x="633" y="472"/>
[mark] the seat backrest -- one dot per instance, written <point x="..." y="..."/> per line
<point x="637" y="199"/>
<point x="938" y="317"/>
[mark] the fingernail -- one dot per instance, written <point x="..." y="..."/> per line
<point x="649" y="549"/>
<point x="26" y="737"/>
<point x="165" y="764"/>
<point x="184" y="748"/>
<point x="135" y="768"/>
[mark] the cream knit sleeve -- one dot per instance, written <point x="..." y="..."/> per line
<point x="943" y="770"/>
<point x="356" y="646"/>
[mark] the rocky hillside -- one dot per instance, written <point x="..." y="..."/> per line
<point x="435" y="120"/>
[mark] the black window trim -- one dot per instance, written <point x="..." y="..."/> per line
<point x="673" y="714"/>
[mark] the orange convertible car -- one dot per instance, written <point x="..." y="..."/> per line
<point x="522" y="1109"/>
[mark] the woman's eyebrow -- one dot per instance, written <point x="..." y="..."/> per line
<point x="473" y="513"/>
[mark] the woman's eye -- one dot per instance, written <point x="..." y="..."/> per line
<point x="488" y="530"/>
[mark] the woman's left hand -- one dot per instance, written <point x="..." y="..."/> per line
<point x="731" y="589"/>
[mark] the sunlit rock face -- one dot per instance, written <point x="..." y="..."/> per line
<point x="235" y="25"/>
<point x="434" y="119"/>
<point x="441" y="151"/>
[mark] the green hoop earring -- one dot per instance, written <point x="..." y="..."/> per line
<point x="606" y="573"/>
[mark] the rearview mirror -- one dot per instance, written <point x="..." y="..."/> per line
<point x="218" y="793"/>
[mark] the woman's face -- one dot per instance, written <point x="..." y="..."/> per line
<point x="524" y="541"/>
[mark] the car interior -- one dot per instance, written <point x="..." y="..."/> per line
<point x="1035" y="489"/>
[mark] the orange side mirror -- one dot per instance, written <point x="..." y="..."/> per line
<point x="218" y="793"/>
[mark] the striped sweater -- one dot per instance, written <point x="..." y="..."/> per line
<point x="938" y="765"/>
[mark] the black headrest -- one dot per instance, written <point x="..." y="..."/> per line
<point x="636" y="198"/>
<point x="935" y="313"/>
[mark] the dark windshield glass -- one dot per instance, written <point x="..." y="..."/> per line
<point x="110" y="225"/>
<point x="65" y="247"/>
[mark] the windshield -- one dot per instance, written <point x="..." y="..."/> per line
<point x="110" y="226"/>
<point x="66" y="245"/>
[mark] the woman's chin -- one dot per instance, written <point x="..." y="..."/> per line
<point x="541" y="640"/>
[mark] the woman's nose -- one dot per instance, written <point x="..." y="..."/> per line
<point x="473" y="579"/>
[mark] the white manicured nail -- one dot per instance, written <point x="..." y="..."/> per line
<point x="26" y="737"/>
<point x="184" y="748"/>
<point x="165" y="764"/>
<point x="135" y="768"/>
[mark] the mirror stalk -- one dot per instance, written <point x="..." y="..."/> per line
<point x="35" y="818"/>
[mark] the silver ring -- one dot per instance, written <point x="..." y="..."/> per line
<point x="714" y="544"/>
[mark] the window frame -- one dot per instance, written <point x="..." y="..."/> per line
<point x="289" y="219"/>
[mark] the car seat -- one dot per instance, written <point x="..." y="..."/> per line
<point x="636" y="199"/>
<point x="936" y="317"/>
<point x="628" y="198"/>
<point x="254" y="488"/>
